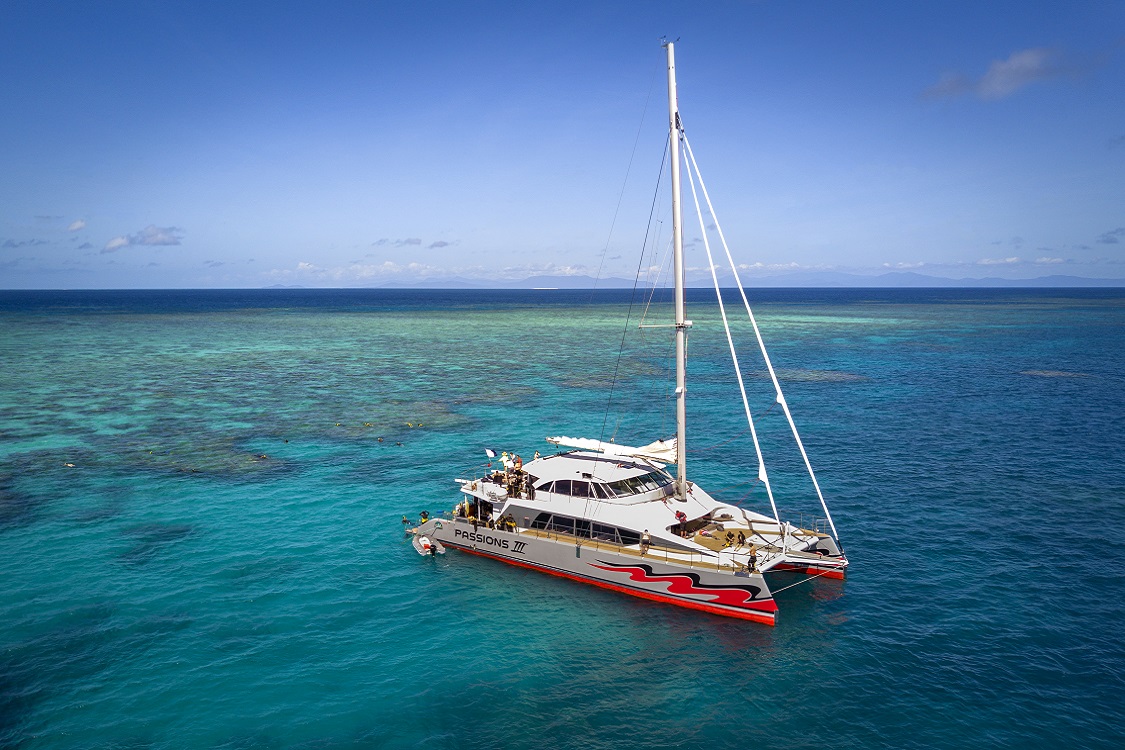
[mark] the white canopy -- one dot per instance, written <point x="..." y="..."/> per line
<point x="662" y="451"/>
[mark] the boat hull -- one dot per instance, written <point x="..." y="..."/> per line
<point x="698" y="587"/>
<point x="811" y="569"/>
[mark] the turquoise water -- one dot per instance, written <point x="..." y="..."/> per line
<point x="200" y="542"/>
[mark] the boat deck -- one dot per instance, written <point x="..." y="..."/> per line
<point x="670" y="555"/>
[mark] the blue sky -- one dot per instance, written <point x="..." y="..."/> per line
<point x="217" y="144"/>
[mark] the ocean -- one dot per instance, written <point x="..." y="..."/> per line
<point x="201" y="546"/>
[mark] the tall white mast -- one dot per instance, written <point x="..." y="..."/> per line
<point x="678" y="249"/>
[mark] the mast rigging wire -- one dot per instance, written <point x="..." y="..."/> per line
<point x="762" y="474"/>
<point x="757" y="334"/>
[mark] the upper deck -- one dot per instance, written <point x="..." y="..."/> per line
<point x="598" y="476"/>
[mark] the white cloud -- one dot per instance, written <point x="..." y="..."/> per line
<point x="999" y="261"/>
<point x="1046" y="261"/>
<point x="76" y="225"/>
<point x="1003" y="77"/>
<point x="116" y="244"/>
<point x="154" y="235"/>
<point x="151" y="235"/>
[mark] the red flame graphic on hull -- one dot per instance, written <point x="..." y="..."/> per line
<point x="688" y="584"/>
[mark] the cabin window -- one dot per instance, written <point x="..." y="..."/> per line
<point x="579" y="489"/>
<point x="624" y="487"/>
<point x="629" y="537"/>
<point x="562" y="487"/>
<point x="561" y="524"/>
<point x="584" y="529"/>
<point x="621" y="489"/>
<point x="603" y="533"/>
<point x="638" y="485"/>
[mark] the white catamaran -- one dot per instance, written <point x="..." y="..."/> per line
<point x="612" y="516"/>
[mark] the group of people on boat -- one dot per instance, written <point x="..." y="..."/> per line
<point x="515" y="481"/>
<point x="480" y="514"/>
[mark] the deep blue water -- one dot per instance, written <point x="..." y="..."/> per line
<point x="200" y="542"/>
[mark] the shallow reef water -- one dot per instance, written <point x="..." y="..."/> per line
<point x="201" y="546"/>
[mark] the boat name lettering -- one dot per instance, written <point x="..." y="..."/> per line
<point x="472" y="536"/>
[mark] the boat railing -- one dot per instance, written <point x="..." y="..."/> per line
<point x="812" y="522"/>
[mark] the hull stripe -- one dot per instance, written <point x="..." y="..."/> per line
<point x="762" y="617"/>
<point x="685" y="583"/>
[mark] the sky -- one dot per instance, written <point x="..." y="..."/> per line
<point x="345" y="144"/>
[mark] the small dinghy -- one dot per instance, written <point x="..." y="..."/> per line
<point x="427" y="546"/>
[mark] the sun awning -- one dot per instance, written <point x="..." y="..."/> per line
<point x="662" y="451"/>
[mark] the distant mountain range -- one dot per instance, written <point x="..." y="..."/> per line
<point x="796" y="279"/>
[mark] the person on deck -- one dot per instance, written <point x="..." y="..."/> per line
<point x="646" y="541"/>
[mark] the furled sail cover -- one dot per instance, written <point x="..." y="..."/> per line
<point x="662" y="451"/>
